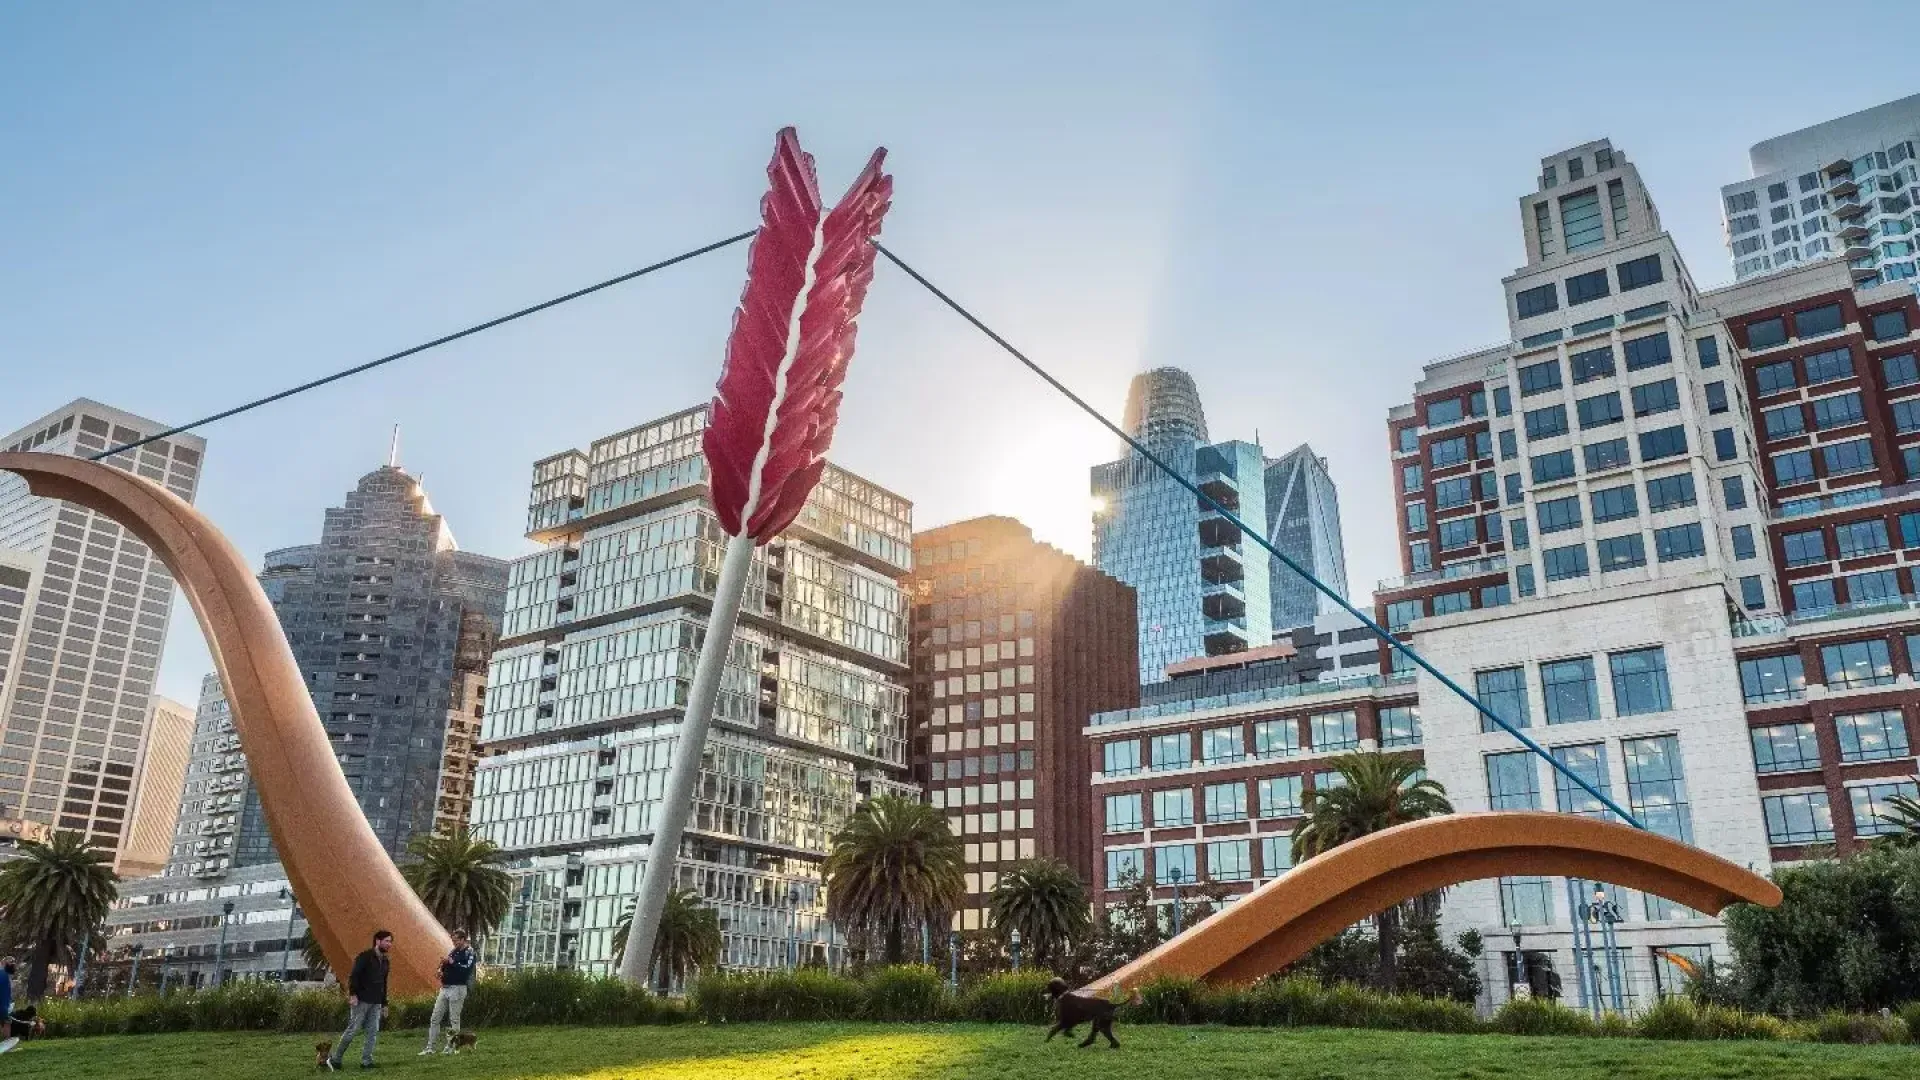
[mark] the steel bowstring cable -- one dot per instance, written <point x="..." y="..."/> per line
<point x="1260" y="538"/>
<point x="435" y="343"/>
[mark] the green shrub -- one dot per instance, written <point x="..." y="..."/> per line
<point x="907" y="993"/>
<point x="1909" y="1015"/>
<point x="1009" y="997"/>
<point x="1538" y="1016"/>
<point x="313" y="1010"/>
<point x="238" y="1006"/>
<point x="806" y="994"/>
<point x="409" y="1014"/>
<point x="1174" y="999"/>
<point x="1411" y="1012"/>
<point x="1859" y="1029"/>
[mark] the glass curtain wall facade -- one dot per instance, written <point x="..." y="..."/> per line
<point x="1303" y="520"/>
<point x="1203" y="588"/>
<point x="588" y="685"/>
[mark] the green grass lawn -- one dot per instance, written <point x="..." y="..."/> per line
<point x="885" y="1052"/>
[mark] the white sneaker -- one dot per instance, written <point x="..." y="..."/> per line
<point x="428" y="1052"/>
<point x="8" y="1044"/>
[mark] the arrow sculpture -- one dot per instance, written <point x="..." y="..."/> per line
<point x="767" y="437"/>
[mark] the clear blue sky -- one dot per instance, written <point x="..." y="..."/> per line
<point x="1300" y="205"/>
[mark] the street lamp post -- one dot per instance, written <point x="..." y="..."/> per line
<point x="1174" y="875"/>
<point x="1607" y="914"/>
<point x="1015" y="940"/>
<point x="926" y="945"/>
<point x="133" y="976"/>
<point x="220" y="951"/>
<point x="793" y="927"/>
<point x="286" y="943"/>
<point x="80" y="967"/>
<point x="166" y="968"/>
<point x="953" y="958"/>
<point x="1519" y="962"/>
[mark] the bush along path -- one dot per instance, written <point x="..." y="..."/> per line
<point x="912" y="994"/>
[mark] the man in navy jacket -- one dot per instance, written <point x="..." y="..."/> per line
<point x="456" y="974"/>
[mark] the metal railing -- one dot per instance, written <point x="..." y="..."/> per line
<point x="1471" y="568"/>
<point x="1290" y="692"/>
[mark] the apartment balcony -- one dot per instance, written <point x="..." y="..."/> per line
<point x="1491" y="564"/>
<point x="1216" y="531"/>
<point x="1847" y="209"/>
<point x="1224" y="602"/>
<point x="1221" y="488"/>
<point x="1224" y="635"/>
<point x="1843" y="187"/>
<point x="1222" y="567"/>
<point x="1855" y="231"/>
<point x="1842" y="167"/>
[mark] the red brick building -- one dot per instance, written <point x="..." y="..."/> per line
<point x="1015" y="644"/>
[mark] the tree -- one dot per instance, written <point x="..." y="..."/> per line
<point x="55" y="895"/>
<point x="1428" y="967"/>
<point x="894" y="864"/>
<point x="1045" y="901"/>
<point x="1845" y="936"/>
<point x="313" y="955"/>
<point x="687" y="941"/>
<point x="458" y="877"/>
<point x="1903" y="813"/>
<point x="1378" y="792"/>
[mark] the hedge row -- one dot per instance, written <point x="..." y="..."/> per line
<point x="921" y="994"/>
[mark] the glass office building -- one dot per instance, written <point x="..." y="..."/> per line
<point x="1303" y="521"/>
<point x="1203" y="587"/>
<point x="587" y="689"/>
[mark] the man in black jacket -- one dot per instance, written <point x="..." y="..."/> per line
<point x="366" y="1000"/>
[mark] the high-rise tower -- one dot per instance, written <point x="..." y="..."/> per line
<point x="1303" y="520"/>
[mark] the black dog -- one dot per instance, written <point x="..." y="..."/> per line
<point x="1071" y="1010"/>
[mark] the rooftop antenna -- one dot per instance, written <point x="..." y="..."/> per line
<point x="393" y="449"/>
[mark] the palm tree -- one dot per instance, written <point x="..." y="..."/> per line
<point x="1044" y="900"/>
<point x="55" y="894"/>
<point x="459" y="878"/>
<point x="1379" y="792"/>
<point x="688" y="938"/>
<point x="313" y="955"/>
<point x="1903" y="814"/>
<point x="893" y="864"/>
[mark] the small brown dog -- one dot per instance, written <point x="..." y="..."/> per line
<point x="463" y="1040"/>
<point x="1070" y="1010"/>
<point x="322" y="1056"/>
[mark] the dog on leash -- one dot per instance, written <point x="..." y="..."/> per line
<point x="1070" y="1010"/>
<point x="323" y="1056"/>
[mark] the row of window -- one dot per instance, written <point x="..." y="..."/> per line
<point x="1674" y="543"/>
<point x="1847" y="665"/>
<point x="1879" y="735"/>
<point x="1274" y="797"/>
<point x="1820" y="321"/>
<point x="1868" y="587"/>
<point x="1838" y="459"/>
<point x="1570" y="693"/>
<point x="1656" y="783"/>
<point x="1178" y="864"/>
<point x="1328" y="731"/>
<point x="1586" y="288"/>
<point x="1640" y="353"/>
<point x="1805" y="817"/>
<point x="1849" y="541"/>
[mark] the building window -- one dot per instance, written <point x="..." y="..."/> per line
<point x="1817" y="321"/>
<point x="1855" y="664"/>
<point x="1517" y="528"/>
<point x="1805" y="548"/>
<point x="1569" y="690"/>
<point x="1448" y="603"/>
<point x="1410" y="478"/>
<point x="1401" y="613"/>
<point x="1222" y="744"/>
<point x="1226" y="802"/>
<point x="1663" y="443"/>
<point x="1558" y="465"/>
<point x="1906" y="415"/>
<point x="1122" y="758"/>
<point x="1785" y="748"/>
<point x="1173" y="751"/>
<point x="1606" y="454"/>
<point x="1399" y="726"/>
<point x="1724" y="448"/>
<point x="1171" y="807"/>
<point x="1416" y="517"/>
<point x="1772" y="678"/>
<point x="1668" y="492"/>
<point x="1452" y="492"/>
<point x="1733" y="492"/>
<point x="1334" y="730"/>
<point x="1502" y="401"/>
<point x="1809" y="596"/>
<point x="1591" y="364"/>
<point x="1717" y="398"/>
<point x="1753" y="593"/>
<point x="1888" y="325"/>
<point x="1504" y="692"/>
<point x="1638" y="273"/>
<point x="1565" y="563"/>
<point x="1784" y="421"/>
<point x="1829" y="366"/>
<point x="1556" y="515"/>
<point x="1656" y="786"/>
<point x="1230" y="860"/>
<point x="1679" y="542"/>
<point x="1277" y="738"/>
<point x="1586" y="288"/>
<point x="1848" y="457"/>
<point x="1872" y="736"/>
<point x="1546" y="423"/>
<point x="1656" y="397"/>
<point x="1457" y="533"/>
<point x="1123" y="813"/>
<point x="1857" y="538"/>
<point x="1708" y="350"/>
<point x="1742" y="536"/>
<point x="1792" y="467"/>
<point x="1543" y="223"/>
<point x="1838" y="411"/>
<point x="1449" y="451"/>
<point x="1766" y="333"/>
<point x="1588" y="761"/>
<point x="1526" y="901"/>
<point x="1513" y="782"/>
<point x="1495" y="595"/>
<point x="1279" y="796"/>
<point x="1512" y="481"/>
<point x="1174" y="862"/>
<point x="1539" y="378"/>
<point x="1580" y="223"/>
<point x="1873" y="813"/>
<point x="1900" y="370"/>
<point x="1408" y="439"/>
<point x="1801" y="818"/>
<point x="1640" y="682"/>
<point x="1621" y="552"/>
<point x="1647" y="352"/>
<point x="1536" y="301"/>
<point x="1523" y="579"/>
<point x="1612" y="504"/>
<point x="1599" y="410"/>
<point x="1125" y="866"/>
<point x="1276" y="854"/>
<point x="1445" y="412"/>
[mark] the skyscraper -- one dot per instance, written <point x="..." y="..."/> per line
<point x="1303" y="520"/>
<point x="586" y="691"/>
<point x="1015" y="644"/>
<point x="156" y="801"/>
<point x="376" y="614"/>
<point x="1202" y="587"/>
<point x="1842" y="189"/>
<point x="72" y="718"/>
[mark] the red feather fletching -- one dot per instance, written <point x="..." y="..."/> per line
<point x="779" y="392"/>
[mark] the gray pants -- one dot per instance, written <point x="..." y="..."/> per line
<point x="446" y="1007"/>
<point x="364" y="1017"/>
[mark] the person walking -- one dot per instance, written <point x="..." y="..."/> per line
<point x="366" y="1000"/>
<point x="456" y="974"/>
<point x="7" y="1040"/>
